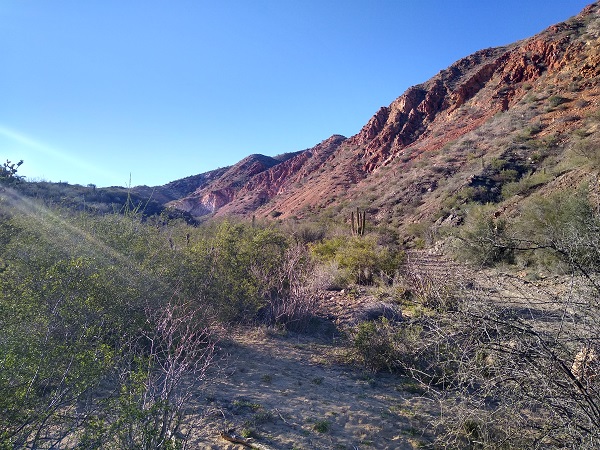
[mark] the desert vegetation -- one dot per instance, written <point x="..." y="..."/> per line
<point x="104" y="317"/>
<point x="431" y="290"/>
<point x="111" y="323"/>
<point x="95" y="340"/>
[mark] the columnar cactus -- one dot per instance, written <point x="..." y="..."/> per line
<point x="358" y="222"/>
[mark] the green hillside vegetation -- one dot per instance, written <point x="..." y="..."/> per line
<point x="93" y="199"/>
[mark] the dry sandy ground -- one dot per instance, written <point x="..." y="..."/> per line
<point x="289" y="392"/>
<point x="293" y="391"/>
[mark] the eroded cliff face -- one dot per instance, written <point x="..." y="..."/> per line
<point x="255" y="180"/>
<point x="493" y="78"/>
<point x="282" y="178"/>
<point x="426" y="118"/>
<point x="210" y="197"/>
<point x="276" y="180"/>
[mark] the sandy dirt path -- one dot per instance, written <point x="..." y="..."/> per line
<point x="288" y="392"/>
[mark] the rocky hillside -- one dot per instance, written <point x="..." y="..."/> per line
<point x="255" y="180"/>
<point x="499" y="116"/>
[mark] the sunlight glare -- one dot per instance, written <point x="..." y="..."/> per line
<point x="70" y="163"/>
<point x="64" y="234"/>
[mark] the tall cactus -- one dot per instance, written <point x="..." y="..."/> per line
<point x="358" y="222"/>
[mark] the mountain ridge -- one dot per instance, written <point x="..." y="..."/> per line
<point x="466" y="98"/>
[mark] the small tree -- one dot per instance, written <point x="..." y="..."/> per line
<point x="8" y="172"/>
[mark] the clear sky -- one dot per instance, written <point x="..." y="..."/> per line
<point x="96" y="91"/>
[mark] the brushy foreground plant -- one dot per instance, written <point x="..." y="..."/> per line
<point x="361" y="258"/>
<point x="521" y="371"/>
<point x="108" y="322"/>
<point x="98" y="350"/>
<point x="249" y="274"/>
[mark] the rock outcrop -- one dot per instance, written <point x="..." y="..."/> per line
<point x="209" y="198"/>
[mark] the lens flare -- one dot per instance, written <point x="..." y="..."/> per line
<point x="67" y="236"/>
<point x="48" y="156"/>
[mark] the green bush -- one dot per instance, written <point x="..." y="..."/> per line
<point x="498" y="164"/>
<point x="484" y="239"/>
<point x="526" y="184"/>
<point x="361" y="257"/>
<point x="589" y="147"/>
<point x="89" y="301"/>
<point x="556" y="100"/>
<point x="374" y="343"/>
<point x="322" y="426"/>
<point x="561" y="231"/>
<point x="383" y="345"/>
<point x="508" y="175"/>
<point x="79" y="298"/>
<point x="235" y="269"/>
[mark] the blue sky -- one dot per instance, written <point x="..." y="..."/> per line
<point x="98" y="91"/>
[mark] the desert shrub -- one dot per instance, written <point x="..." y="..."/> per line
<point x="333" y="274"/>
<point x="293" y="304"/>
<point x="374" y="345"/>
<point x="479" y="194"/>
<point x="233" y="269"/>
<point x="524" y="364"/>
<point x="365" y="260"/>
<point x="545" y="145"/>
<point x="484" y="239"/>
<point x="556" y="100"/>
<point x="507" y="175"/>
<point x="322" y="426"/>
<point x="438" y="290"/>
<point x="8" y="172"/>
<point x="526" y="184"/>
<point x="589" y="147"/>
<point x="361" y="257"/>
<point x="327" y="275"/>
<point x="533" y="129"/>
<point x="560" y="229"/>
<point x="418" y="231"/>
<point x="510" y="379"/>
<point x="149" y="408"/>
<point x="435" y="349"/>
<point x="246" y="273"/>
<point x="558" y="232"/>
<point x="309" y="232"/>
<point x="384" y="345"/>
<point x="81" y="299"/>
<point x="498" y="164"/>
